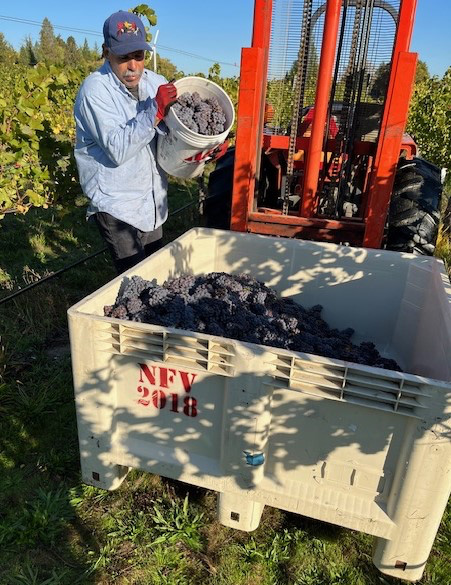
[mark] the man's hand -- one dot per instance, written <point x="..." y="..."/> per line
<point x="166" y="96"/>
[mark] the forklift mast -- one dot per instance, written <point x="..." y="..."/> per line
<point x="307" y="111"/>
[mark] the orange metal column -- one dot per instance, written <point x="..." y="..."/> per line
<point x="253" y="72"/>
<point x="261" y="36"/>
<point x="248" y="137"/>
<point x="262" y="23"/>
<point x="326" y="64"/>
<point x="383" y="175"/>
<point x="393" y="124"/>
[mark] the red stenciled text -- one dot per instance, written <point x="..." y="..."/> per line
<point x="158" y="387"/>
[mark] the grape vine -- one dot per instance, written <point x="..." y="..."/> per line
<point x="36" y="135"/>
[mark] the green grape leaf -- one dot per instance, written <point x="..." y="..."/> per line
<point x="26" y="130"/>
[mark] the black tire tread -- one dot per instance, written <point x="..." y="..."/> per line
<point x="414" y="213"/>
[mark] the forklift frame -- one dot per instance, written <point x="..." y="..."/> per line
<point x="367" y="230"/>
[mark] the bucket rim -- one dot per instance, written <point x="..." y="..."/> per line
<point x="203" y="79"/>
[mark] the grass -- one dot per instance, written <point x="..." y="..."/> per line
<point x="54" y="530"/>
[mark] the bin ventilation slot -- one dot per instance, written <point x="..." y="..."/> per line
<point x="191" y="351"/>
<point x="350" y="384"/>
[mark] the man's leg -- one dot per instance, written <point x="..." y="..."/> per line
<point x="152" y="241"/>
<point x="123" y="241"/>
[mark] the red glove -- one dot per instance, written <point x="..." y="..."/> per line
<point x="166" y="96"/>
<point x="220" y="150"/>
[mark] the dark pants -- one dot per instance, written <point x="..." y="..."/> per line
<point x="128" y="245"/>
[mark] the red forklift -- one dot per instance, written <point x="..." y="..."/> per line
<point x="319" y="154"/>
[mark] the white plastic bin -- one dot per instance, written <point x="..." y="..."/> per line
<point x="361" y="447"/>
<point x="183" y="153"/>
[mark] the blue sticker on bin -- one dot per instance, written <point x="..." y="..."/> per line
<point x="255" y="459"/>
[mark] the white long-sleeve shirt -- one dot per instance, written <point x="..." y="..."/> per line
<point x="115" y="149"/>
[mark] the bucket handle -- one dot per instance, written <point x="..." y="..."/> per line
<point x="200" y="157"/>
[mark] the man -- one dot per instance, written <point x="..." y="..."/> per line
<point x="117" y="113"/>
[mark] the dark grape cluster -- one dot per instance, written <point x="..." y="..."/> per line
<point x="242" y="308"/>
<point x="204" y="116"/>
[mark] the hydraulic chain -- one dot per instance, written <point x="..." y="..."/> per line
<point x="334" y="165"/>
<point x="344" y="187"/>
<point x="299" y="84"/>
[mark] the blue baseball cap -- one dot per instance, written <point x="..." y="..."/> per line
<point x="124" y="33"/>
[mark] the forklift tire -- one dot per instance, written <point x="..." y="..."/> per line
<point x="414" y="213"/>
<point x="218" y="204"/>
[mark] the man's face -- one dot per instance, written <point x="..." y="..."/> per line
<point x="128" y="68"/>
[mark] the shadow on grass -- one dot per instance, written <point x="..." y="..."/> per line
<point x="46" y="240"/>
<point x="40" y="532"/>
<point x="44" y="533"/>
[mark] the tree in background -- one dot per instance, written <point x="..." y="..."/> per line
<point x="27" y="53"/>
<point x="279" y="93"/>
<point x="430" y="119"/>
<point x="96" y="53"/>
<point x="49" y="50"/>
<point x="166" y="68"/>
<point x="61" y="50"/>
<point x="53" y="50"/>
<point x="85" y="52"/>
<point x="214" y="73"/>
<point x="422" y="72"/>
<point x="379" y="84"/>
<point x="72" y="57"/>
<point x="7" y="54"/>
<point x="228" y="84"/>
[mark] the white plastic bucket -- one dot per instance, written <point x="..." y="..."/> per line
<point x="182" y="152"/>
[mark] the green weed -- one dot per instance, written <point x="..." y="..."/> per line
<point x="125" y="526"/>
<point x="8" y="532"/>
<point x="106" y="555"/>
<point x="40" y="521"/>
<point x="177" y="523"/>
<point x="5" y="279"/>
<point x="29" y="575"/>
<point x="275" y="552"/>
<point x="332" y="574"/>
<point x="32" y="404"/>
<point x="87" y="494"/>
<point x="58" y="460"/>
<point x="167" y="566"/>
<point x="6" y="397"/>
<point x="443" y="249"/>
<point x="40" y="247"/>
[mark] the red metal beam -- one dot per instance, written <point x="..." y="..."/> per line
<point x="252" y="90"/>
<point x="393" y="124"/>
<point x="248" y="137"/>
<point x="262" y="23"/>
<point x="282" y="143"/>
<point x="261" y="37"/>
<point x="265" y="216"/>
<point x="325" y="71"/>
<point x="307" y="233"/>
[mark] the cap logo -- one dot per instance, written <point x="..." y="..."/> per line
<point x="127" y="27"/>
